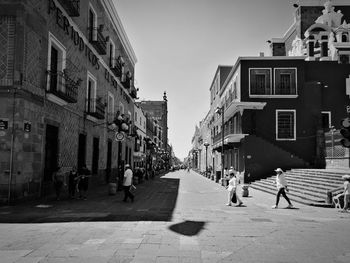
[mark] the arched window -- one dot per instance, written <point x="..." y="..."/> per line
<point x="345" y="37"/>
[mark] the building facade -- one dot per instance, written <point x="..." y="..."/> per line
<point x="158" y="111"/>
<point x="66" y="70"/>
<point x="278" y="111"/>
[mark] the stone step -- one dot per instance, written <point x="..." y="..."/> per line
<point x="322" y="185"/>
<point x="304" y="193"/>
<point x="295" y="198"/>
<point x="321" y="177"/>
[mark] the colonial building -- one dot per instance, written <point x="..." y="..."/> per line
<point x="140" y="143"/>
<point x="158" y="110"/>
<point x="66" y="70"/>
<point x="277" y="109"/>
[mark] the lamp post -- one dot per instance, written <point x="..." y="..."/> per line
<point x="220" y="111"/>
<point x="206" y="144"/>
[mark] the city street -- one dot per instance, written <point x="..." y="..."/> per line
<point x="179" y="217"/>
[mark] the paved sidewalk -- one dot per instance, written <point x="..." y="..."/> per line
<point x="180" y="217"/>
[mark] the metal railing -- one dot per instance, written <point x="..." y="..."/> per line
<point x="95" y="108"/>
<point x="63" y="86"/>
<point x="98" y="40"/>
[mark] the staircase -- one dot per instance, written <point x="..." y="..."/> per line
<point x="306" y="186"/>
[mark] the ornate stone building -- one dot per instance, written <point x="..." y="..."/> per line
<point x="66" y="69"/>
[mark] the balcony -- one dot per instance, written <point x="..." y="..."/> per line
<point x="63" y="86"/>
<point x="133" y="92"/>
<point x="71" y="6"/>
<point x="95" y="108"/>
<point x="98" y="40"/>
<point x="117" y="69"/>
<point x="126" y="81"/>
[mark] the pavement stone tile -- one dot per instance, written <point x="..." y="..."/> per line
<point x="30" y="260"/>
<point x="167" y="259"/>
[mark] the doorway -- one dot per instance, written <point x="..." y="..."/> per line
<point x="109" y="160"/>
<point x="95" y="155"/>
<point x="51" y="152"/>
<point x="81" y="151"/>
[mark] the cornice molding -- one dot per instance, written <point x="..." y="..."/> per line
<point x="116" y="22"/>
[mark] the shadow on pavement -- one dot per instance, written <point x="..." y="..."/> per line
<point x="155" y="200"/>
<point x="188" y="228"/>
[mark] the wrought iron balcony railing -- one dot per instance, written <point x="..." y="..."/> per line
<point x="133" y="92"/>
<point x="71" y="6"/>
<point x="95" y="108"/>
<point x="97" y="39"/>
<point x="117" y="69"/>
<point x="63" y="86"/>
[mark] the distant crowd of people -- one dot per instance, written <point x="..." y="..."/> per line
<point x="77" y="180"/>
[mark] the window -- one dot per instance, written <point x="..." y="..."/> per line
<point x="234" y="93"/>
<point x="285" y="125"/>
<point x="326" y="120"/>
<point x="91" y="93"/>
<point x="121" y="108"/>
<point x="111" y="54"/>
<point x="56" y="64"/>
<point x="285" y="81"/>
<point x="110" y="106"/>
<point x="92" y="24"/>
<point x="260" y="81"/>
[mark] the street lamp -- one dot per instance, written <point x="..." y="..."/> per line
<point x="206" y="144"/>
<point x="220" y="111"/>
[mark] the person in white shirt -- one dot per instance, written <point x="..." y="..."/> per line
<point x="127" y="183"/>
<point x="282" y="187"/>
<point x="232" y="189"/>
<point x="346" y="179"/>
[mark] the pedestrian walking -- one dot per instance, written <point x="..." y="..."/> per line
<point x="83" y="182"/>
<point x="127" y="183"/>
<point x="72" y="182"/>
<point x="346" y="179"/>
<point x="282" y="187"/>
<point x="59" y="180"/>
<point x="232" y="189"/>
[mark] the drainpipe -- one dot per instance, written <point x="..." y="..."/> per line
<point x="12" y="145"/>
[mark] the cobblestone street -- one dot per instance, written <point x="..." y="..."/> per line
<point x="180" y="217"/>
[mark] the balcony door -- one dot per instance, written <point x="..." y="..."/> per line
<point x="53" y="69"/>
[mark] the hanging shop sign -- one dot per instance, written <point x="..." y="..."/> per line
<point x="4" y="124"/>
<point x="119" y="136"/>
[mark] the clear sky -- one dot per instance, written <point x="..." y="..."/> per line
<point x="180" y="43"/>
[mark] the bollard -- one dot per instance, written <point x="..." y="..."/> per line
<point x="329" y="197"/>
<point x="112" y="190"/>
<point x="245" y="191"/>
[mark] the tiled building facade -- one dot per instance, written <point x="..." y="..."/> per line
<point x="66" y="70"/>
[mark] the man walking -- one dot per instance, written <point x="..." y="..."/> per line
<point x="281" y="184"/>
<point x="127" y="183"/>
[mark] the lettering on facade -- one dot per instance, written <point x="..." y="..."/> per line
<point x="63" y="22"/>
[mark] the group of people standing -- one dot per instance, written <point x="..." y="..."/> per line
<point x="78" y="181"/>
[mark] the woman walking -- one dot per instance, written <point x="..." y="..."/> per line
<point x="232" y="189"/>
<point x="282" y="187"/>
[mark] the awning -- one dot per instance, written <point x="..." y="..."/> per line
<point x="240" y="107"/>
<point x="231" y="138"/>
